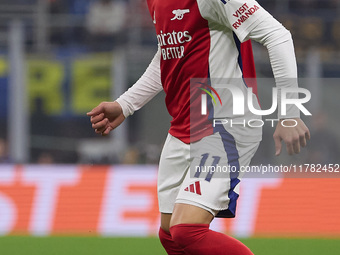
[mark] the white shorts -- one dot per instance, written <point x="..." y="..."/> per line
<point x="205" y="173"/>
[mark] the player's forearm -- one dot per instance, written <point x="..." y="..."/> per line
<point x="148" y="86"/>
<point x="279" y="43"/>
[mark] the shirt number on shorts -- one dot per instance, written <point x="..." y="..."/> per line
<point x="207" y="169"/>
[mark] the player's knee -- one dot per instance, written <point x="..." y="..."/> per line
<point x="164" y="236"/>
<point x="187" y="234"/>
<point x="179" y="235"/>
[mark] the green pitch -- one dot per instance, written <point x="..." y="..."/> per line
<point x="151" y="246"/>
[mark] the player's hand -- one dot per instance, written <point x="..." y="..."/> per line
<point x="294" y="137"/>
<point x="106" y="117"/>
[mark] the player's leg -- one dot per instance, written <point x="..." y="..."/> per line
<point x="204" y="194"/>
<point x="165" y="221"/>
<point x="172" y="170"/>
<point x="165" y="237"/>
<point x="194" y="236"/>
<point x="190" y="214"/>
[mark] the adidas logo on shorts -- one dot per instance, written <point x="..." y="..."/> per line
<point x="194" y="188"/>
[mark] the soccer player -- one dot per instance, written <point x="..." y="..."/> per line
<point x="206" y="39"/>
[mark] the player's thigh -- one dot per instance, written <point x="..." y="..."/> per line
<point x="173" y="167"/>
<point x="212" y="183"/>
<point x="190" y="214"/>
<point x="165" y="221"/>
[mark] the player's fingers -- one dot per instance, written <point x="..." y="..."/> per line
<point x="296" y="146"/>
<point x="307" y="134"/>
<point x="95" y="111"/>
<point x="100" y="130"/>
<point x="106" y="131"/>
<point x="303" y="141"/>
<point x="278" y="145"/>
<point x="97" y="118"/>
<point x="101" y="125"/>
<point x="290" y="148"/>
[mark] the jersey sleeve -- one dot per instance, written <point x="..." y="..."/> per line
<point x="279" y="43"/>
<point x="241" y="16"/>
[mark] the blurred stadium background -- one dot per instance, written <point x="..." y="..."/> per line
<point x="60" y="58"/>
